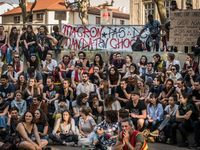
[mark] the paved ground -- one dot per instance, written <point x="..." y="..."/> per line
<point x="152" y="146"/>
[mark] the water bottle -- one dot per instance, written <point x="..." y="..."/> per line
<point x="0" y="53"/>
<point x="83" y="147"/>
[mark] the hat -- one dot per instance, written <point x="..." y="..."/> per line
<point x="135" y="92"/>
<point x="173" y="3"/>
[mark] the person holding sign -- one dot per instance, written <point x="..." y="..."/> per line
<point x="154" y="28"/>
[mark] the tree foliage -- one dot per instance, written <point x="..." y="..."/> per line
<point x="83" y="8"/>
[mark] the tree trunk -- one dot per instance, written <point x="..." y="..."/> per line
<point x="84" y="11"/>
<point x="161" y="11"/>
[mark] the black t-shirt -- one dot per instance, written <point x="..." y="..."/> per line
<point x="121" y="93"/>
<point x="165" y="90"/>
<point x="148" y="78"/>
<point x="50" y="94"/>
<point x="156" y="89"/>
<point x="198" y="41"/>
<point x="94" y="79"/>
<point x="61" y="92"/>
<point x="29" y="37"/>
<point x="196" y="94"/>
<point x="94" y="110"/>
<point x="136" y="110"/>
<point x="187" y="78"/>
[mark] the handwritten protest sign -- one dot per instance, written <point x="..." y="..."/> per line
<point x="184" y="27"/>
<point x="92" y="37"/>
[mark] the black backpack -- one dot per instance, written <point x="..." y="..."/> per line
<point x="137" y="46"/>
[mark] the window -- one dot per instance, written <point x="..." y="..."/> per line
<point x="167" y="7"/>
<point x="17" y="19"/>
<point x="30" y="19"/>
<point x="149" y="10"/>
<point x="97" y="20"/>
<point x="39" y="17"/>
<point x="121" y="22"/>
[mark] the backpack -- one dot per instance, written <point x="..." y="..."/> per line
<point x="162" y="137"/>
<point x="137" y="46"/>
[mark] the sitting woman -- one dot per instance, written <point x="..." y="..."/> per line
<point x="33" y="62"/>
<point x="62" y="106"/>
<point x="86" y="126"/>
<point x="102" y="90"/>
<point x="18" y="66"/>
<point x="66" y="135"/>
<point x="19" y="103"/>
<point x="142" y="65"/>
<point x="129" y="60"/>
<point x="154" y="112"/>
<point x="31" y="90"/>
<point x="98" y="61"/>
<point x="3" y="43"/>
<point x="43" y="42"/>
<point x="96" y="106"/>
<point x="29" y="43"/>
<point x="106" y="130"/>
<point x="77" y="104"/>
<point x="4" y="106"/>
<point x="111" y="104"/>
<point x="113" y="79"/>
<point x="21" y="83"/>
<point x="41" y="123"/>
<point x="142" y="88"/>
<point x="162" y="75"/>
<point x="28" y="133"/>
<point x="13" y="43"/>
<point x="186" y="114"/>
<point x="174" y="74"/>
<point x="112" y="57"/>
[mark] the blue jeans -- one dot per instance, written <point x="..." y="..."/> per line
<point x="9" y="55"/>
<point x="32" y="50"/>
<point x="154" y="124"/>
<point x="44" y="137"/>
<point x="29" y="101"/>
<point x="3" y="121"/>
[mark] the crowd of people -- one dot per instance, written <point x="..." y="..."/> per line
<point x="99" y="104"/>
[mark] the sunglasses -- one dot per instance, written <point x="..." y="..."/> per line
<point x="32" y="54"/>
<point x="173" y="69"/>
<point x="16" y="56"/>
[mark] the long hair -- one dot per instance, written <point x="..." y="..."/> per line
<point x="13" y="59"/>
<point x="111" y="58"/>
<point x="112" y="115"/>
<point x="80" y="97"/>
<point x="23" y="117"/>
<point x="45" y="29"/>
<point x="100" y="61"/>
<point x="36" y="86"/>
<point x="145" y="63"/>
<point x="116" y="75"/>
<point x="86" y="110"/>
<point x="18" y="83"/>
<point x="108" y="101"/>
<point x="92" y="95"/>
<point x="141" y="80"/>
<point x="12" y="36"/>
<point x="43" y="118"/>
<point x="36" y="62"/>
<point x="154" y="95"/>
<point x="136" y="70"/>
<point x="105" y="87"/>
<point x="32" y="33"/>
<point x="70" y="117"/>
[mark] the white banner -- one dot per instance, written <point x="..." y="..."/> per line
<point x="94" y="37"/>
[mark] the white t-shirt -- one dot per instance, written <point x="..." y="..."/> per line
<point x="115" y="106"/>
<point x="51" y="65"/>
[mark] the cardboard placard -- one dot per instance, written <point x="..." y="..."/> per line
<point x="60" y="15"/>
<point x="184" y="27"/>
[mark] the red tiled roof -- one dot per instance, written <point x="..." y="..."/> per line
<point x="60" y="5"/>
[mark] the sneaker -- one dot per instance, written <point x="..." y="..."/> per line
<point x="184" y="144"/>
<point x="194" y="145"/>
<point x="70" y="144"/>
<point x="171" y="142"/>
<point x="168" y="140"/>
<point x="155" y="133"/>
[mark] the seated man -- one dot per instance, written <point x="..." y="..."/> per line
<point x="96" y="77"/>
<point x="77" y="75"/>
<point x="137" y="110"/>
<point x="182" y="88"/>
<point x="123" y="93"/>
<point x="58" y="76"/>
<point x="48" y="66"/>
<point x="85" y="86"/>
<point x="32" y="73"/>
<point x="66" y="66"/>
<point x="60" y="37"/>
<point x="12" y="75"/>
<point x="38" y="103"/>
<point x="191" y="76"/>
<point x="6" y="89"/>
<point x="130" y="138"/>
<point x="149" y="76"/>
<point x="119" y="63"/>
<point x="83" y="61"/>
<point x="190" y="62"/>
<point x="196" y="93"/>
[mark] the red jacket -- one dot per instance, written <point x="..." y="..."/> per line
<point x="195" y="66"/>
